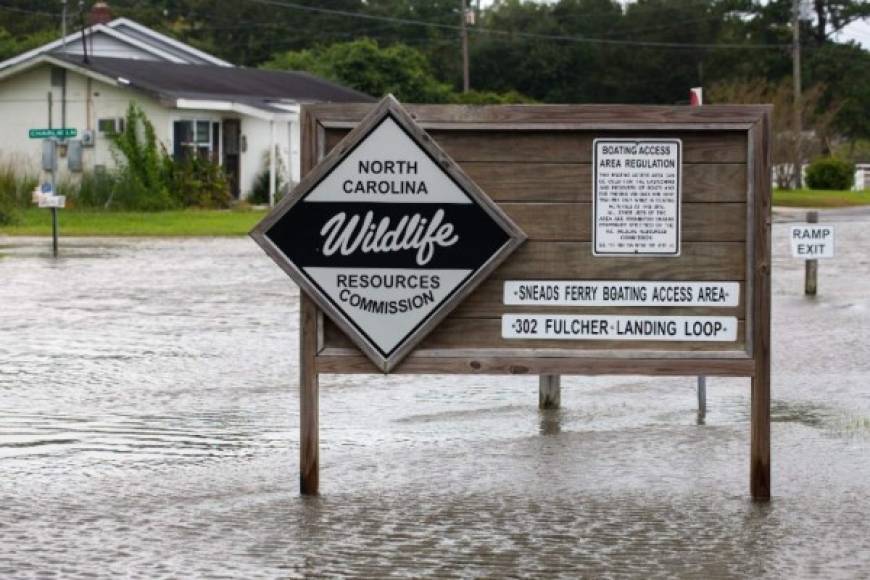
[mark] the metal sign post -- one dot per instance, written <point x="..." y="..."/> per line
<point x="45" y="198"/>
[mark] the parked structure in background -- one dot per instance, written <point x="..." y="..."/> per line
<point x="862" y="177"/>
<point x="198" y="103"/>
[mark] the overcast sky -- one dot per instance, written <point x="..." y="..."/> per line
<point x="858" y="31"/>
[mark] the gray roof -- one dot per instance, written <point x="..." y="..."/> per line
<point x="254" y="87"/>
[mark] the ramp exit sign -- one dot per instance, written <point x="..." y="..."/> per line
<point x="812" y="241"/>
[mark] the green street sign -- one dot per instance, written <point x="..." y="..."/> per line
<point x="49" y="133"/>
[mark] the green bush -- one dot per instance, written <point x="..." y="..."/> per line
<point x="199" y="182"/>
<point x="830" y="173"/>
<point x="260" y="191"/>
<point x="8" y="208"/>
<point x="97" y="189"/>
<point x="144" y="172"/>
<point x="15" y="192"/>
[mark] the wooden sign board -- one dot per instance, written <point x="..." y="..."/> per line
<point x="687" y="292"/>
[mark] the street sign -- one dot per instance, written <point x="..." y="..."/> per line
<point x="52" y="133"/>
<point x="617" y="293"/>
<point x="636" y="196"/>
<point x="52" y="201"/>
<point x="387" y="234"/>
<point x="812" y="241"/>
<point x="619" y="327"/>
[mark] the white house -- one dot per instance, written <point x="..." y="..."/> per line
<point x="196" y="102"/>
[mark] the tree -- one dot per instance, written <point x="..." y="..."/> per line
<point x="367" y="67"/>
<point x="815" y="119"/>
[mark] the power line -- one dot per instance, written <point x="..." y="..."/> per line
<point x="520" y="34"/>
<point x="25" y="11"/>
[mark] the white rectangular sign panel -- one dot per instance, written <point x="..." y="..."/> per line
<point x="613" y="327"/>
<point x="57" y="201"/>
<point x="812" y="241"/>
<point x="636" y="192"/>
<point x="620" y="293"/>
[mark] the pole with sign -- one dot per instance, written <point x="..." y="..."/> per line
<point x="811" y="242"/>
<point x="45" y="197"/>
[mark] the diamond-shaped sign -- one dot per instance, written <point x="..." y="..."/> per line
<point x="387" y="234"/>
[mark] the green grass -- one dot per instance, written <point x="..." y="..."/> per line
<point x="202" y="222"/>
<point x="83" y="222"/>
<point x="820" y="198"/>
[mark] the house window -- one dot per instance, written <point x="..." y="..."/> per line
<point x="194" y="137"/>
<point x="111" y="125"/>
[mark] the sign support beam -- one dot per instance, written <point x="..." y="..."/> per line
<point x="54" y="231"/>
<point x="811" y="267"/>
<point x="549" y="391"/>
<point x="309" y="395"/>
<point x="759" y="444"/>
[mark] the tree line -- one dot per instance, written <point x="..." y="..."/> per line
<point x="571" y="51"/>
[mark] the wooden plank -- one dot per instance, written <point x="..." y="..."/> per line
<point x="569" y="146"/>
<point x="519" y="365"/>
<point x="549" y="391"/>
<point x="702" y="222"/>
<point x="572" y="182"/>
<point x="309" y="428"/>
<point x="458" y="334"/>
<point x="759" y="470"/>
<point x="487" y="302"/>
<point x="574" y="260"/>
<point x="556" y="116"/>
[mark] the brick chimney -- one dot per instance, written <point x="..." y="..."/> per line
<point x="100" y="14"/>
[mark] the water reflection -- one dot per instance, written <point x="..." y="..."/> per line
<point x="551" y="421"/>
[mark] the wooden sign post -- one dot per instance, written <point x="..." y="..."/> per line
<point x="647" y="251"/>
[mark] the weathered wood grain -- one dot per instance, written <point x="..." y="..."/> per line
<point x="759" y="470"/>
<point x="569" y="146"/>
<point x="554" y="117"/>
<point x="574" y="260"/>
<point x="416" y="363"/>
<point x="572" y="182"/>
<point x="309" y="396"/>
<point x="701" y="222"/>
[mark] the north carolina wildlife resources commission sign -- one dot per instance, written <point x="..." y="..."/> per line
<point x="387" y="234"/>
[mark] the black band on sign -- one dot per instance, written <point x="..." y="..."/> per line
<point x="345" y="235"/>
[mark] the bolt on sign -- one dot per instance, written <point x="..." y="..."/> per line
<point x="388" y="234"/>
<point x="647" y="246"/>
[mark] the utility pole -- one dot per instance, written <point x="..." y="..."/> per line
<point x="63" y="26"/>
<point x="796" y="75"/>
<point x="463" y="22"/>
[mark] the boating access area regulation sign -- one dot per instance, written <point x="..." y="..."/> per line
<point x="387" y="234"/>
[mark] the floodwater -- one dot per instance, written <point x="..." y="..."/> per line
<point x="149" y="429"/>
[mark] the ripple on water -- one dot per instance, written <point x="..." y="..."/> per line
<point x="149" y="429"/>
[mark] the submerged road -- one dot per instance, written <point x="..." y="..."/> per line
<point x="149" y="429"/>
